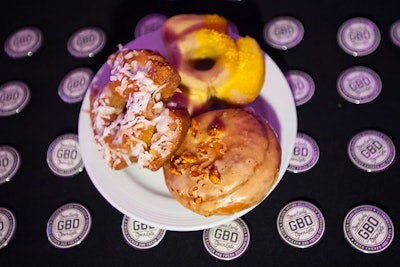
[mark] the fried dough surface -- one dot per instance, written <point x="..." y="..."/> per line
<point x="229" y="161"/>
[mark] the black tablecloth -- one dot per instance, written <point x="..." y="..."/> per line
<point x="334" y="184"/>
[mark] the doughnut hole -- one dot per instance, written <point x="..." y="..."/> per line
<point x="202" y="64"/>
<point x="206" y="59"/>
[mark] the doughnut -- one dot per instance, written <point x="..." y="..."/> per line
<point x="228" y="162"/>
<point x="133" y="118"/>
<point x="198" y="47"/>
<point x="212" y="64"/>
<point x="180" y="25"/>
<point x="246" y="83"/>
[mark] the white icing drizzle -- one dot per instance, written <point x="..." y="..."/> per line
<point x="126" y="129"/>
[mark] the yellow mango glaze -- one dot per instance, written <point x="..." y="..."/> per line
<point x="242" y="58"/>
<point x="217" y="46"/>
<point x="215" y="22"/>
<point x="246" y="84"/>
<point x="211" y="63"/>
<point x="206" y="44"/>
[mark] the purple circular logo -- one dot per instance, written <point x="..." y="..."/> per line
<point x="7" y="226"/>
<point x="69" y="225"/>
<point x="301" y="85"/>
<point x="371" y="151"/>
<point x="14" y="96"/>
<point x="395" y="32"/>
<point x="86" y="42"/>
<point x="368" y="229"/>
<point x="73" y="86"/>
<point x="232" y="28"/>
<point x="149" y="23"/>
<point x="64" y="157"/>
<point x="305" y="154"/>
<point x="10" y="161"/>
<point x="301" y="224"/>
<point x="358" y="36"/>
<point x="283" y="32"/>
<point x="227" y="241"/>
<point x="359" y="85"/>
<point x="140" y="235"/>
<point x="24" y="42"/>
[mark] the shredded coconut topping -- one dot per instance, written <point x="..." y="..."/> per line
<point x="121" y="130"/>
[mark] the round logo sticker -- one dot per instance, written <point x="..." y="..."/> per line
<point x="395" y="32"/>
<point x="301" y="224"/>
<point x="69" y="225"/>
<point x="7" y="226"/>
<point x="368" y="229"/>
<point x="74" y="85"/>
<point x="149" y="23"/>
<point x="232" y="28"/>
<point x="283" y="32"/>
<point x="305" y="154"/>
<point x="86" y="42"/>
<point x="10" y="161"/>
<point x="140" y="235"/>
<point x="359" y="85"/>
<point x="371" y="151"/>
<point x="64" y="157"/>
<point x="14" y="96"/>
<point x="24" y="42"/>
<point x="358" y="36"/>
<point x="301" y="85"/>
<point x="227" y="241"/>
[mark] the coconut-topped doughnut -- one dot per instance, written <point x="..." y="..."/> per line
<point x="228" y="162"/>
<point x="132" y="118"/>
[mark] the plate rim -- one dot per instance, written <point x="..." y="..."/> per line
<point x="212" y="220"/>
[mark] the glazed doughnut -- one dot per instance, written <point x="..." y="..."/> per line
<point x="180" y="25"/>
<point x="228" y="162"/>
<point x="211" y="63"/>
<point x="246" y="83"/>
<point x="195" y="49"/>
<point x="132" y="120"/>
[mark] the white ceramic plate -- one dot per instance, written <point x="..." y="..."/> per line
<point x="142" y="194"/>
